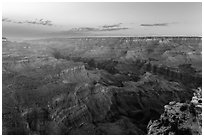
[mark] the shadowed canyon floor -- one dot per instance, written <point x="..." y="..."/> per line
<point x="99" y="85"/>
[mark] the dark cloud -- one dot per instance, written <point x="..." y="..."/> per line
<point x="19" y="22"/>
<point x="36" y="21"/>
<point x="155" y="25"/>
<point x="6" y="20"/>
<point x="84" y="29"/>
<point x="114" y="27"/>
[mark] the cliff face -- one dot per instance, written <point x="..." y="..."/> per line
<point x="100" y="106"/>
<point x="94" y="108"/>
<point x="158" y="55"/>
<point x="78" y="74"/>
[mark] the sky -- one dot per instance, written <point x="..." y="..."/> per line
<point x="66" y="19"/>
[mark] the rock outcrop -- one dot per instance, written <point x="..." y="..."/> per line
<point x="179" y="118"/>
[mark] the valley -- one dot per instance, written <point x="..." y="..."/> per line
<point x="97" y="85"/>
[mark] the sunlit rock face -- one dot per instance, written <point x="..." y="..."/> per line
<point x="77" y="74"/>
<point x="179" y="118"/>
<point x="83" y="106"/>
<point x="74" y="75"/>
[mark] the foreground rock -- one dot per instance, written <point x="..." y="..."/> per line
<point x="180" y="118"/>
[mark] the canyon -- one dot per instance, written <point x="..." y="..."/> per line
<point x="98" y="85"/>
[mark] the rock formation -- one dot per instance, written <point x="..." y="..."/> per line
<point x="102" y="86"/>
<point x="179" y="118"/>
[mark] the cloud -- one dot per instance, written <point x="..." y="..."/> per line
<point x="155" y="25"/>
<point x="6" y="20"/>
<point x="158" y="24"/>
<point x="84" y="29"/>
<point x="40" y="22"/>
<point x="114" y="27"/>
<point x="36" y="21"/>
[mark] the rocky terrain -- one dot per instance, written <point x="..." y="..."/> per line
<point x="102" y="86"/>
<point x="180" y="118"/>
